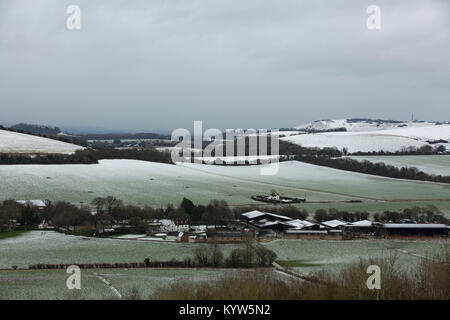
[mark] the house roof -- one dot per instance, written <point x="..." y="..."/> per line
<point x="36" y="203"/>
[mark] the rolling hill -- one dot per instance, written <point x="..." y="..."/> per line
<point x="373" y="135"/>
<point x="14" y="142"/>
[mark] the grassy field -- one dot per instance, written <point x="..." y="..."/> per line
<point x="11" y="234"/>
<point x="157" y="184"/>
<point x="307" y="256"/>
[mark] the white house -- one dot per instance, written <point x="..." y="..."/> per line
<point x="168" y="225"/>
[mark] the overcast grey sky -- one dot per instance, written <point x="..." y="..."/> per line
<point x="146" y="64"/>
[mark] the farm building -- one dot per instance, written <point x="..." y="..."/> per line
<point x="260" y="215"/>
<point x="35" y="203"/>
<point x="298" y="224"/>
<point x="310" y="234"/>
<point x="264" y="221"/>
<point x="268" y="224"/>
<point x="227" y="236"/>
<point x="411" y="229"/>
<point x="363" y="226"/>
<point x="167" y="225"/>
<point x="202" y="237"/>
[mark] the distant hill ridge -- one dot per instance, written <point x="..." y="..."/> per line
<point x="35" y="129"/>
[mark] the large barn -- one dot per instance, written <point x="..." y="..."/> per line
<point x="411" y="229"/>
<point x="362" y="226"/>
<point x="268" y="221"/>
<point x="256" y="215"/>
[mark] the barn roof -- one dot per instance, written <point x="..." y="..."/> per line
<point x="334" y="223"/>
<point x="413" y="226"/>
<point x="297" y="223"/>
<point x="294" y="231"/>
<point x="253" y="214"/>
<point x="256" y="213"/>
<point x="362" y="223"/>
<point x="266" y="223"/>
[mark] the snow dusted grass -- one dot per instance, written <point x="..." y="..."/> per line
<point x="157" y="184"/>
<point x="13" y="142"/>
<point x="355" y="141"/>
<point x="148" y="280"/>
<point x="432" y="164"/>
<point x="316" y="255"/>
<point x="367" y="141"/>
<point x="51" y="284"/>
<point x="323" y="183"/>
<point x="37" y="247"/>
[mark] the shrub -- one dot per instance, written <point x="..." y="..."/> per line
<point x="201" y="255"/>
<point x="430" y="280"/>
<point x="265" y="256"/>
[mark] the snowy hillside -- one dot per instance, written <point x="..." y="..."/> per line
<point x="156" y="184"/>
<point x="13" y="142"/>
<point x="368" y="137"/>
<point x="358" y="125"/>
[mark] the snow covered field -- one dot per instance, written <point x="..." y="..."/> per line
<point x="390" y="140"/>
<point x="51" y="284"/>
<point x="36" y="247"/>
<point x="13" y="142"/>
<point x="332" y="254"/>
<point x="50" y="247"/>
<point x="158" y="184"/>
<point x="434" y="164"/>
